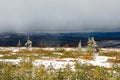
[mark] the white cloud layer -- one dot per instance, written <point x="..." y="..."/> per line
<point x="59" y="15"/>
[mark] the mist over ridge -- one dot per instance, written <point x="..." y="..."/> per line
<point x="59" y="15"/>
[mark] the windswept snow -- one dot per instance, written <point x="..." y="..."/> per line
<point x="1" y="55"/>
<point x="54" y="63"/>
<point x="15" y="50"/>
<point x="14" y="61"/>
<point x="61" y="63"/>
<point x="99" y="61"/>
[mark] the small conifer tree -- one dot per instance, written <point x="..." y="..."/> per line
<point x="28" y="44"/>
<point x="79" y="46"/>
<point x="19" y="44"/>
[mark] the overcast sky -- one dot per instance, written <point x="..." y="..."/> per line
<point x="59" y="15"/>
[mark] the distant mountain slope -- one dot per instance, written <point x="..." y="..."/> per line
<point x="104" y="39"/>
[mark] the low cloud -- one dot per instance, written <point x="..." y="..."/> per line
<point x="59" y="15"/>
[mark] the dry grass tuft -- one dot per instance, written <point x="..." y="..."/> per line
<point x="114" y="60"/>
<point x="87" y="57"/>
<point x="110" y="53"/>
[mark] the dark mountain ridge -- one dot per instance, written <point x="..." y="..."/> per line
<point x="104" y="39"/>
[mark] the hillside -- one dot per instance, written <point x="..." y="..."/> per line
<point x="104" y="39"/>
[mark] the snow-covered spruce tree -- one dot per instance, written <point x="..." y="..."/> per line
<point x="94" y="45"/>
<point x="28" y="44"/>
<point x="79" y="46"/>
<point x="91" y="45"/>
<point x="19" y="44"/>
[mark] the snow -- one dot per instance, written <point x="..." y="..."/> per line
<point x="101" y="58"/>
<point x="54" y="63"/>
<point x="101" y="64"/>
<point x="61" y="63"/>
<point x="69" y="49"/>
<point x="48" y="48"/>
<point x="14" y="61"/>
<point x="1" y="55"/>
<point x="58" y="62"/>
<point x="58" y="53"/>
<point x="110" y="49"/>
<point x="96" y="63"/>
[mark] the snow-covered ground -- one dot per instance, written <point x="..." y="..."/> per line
<point x="16" y="49"/>
<point x="61" y="63"/>
<point x="57" y="62"/>
<point x="1" y="55"/>
<point x="14" y="61"/>
<point x="111" y="49"/>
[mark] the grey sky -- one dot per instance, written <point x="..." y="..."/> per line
<point x="59" y="15"/>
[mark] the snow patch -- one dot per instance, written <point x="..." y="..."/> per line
<point x="55" y="64"/>
<point x="14" y="61"/>
<point x="57" y="53"/>
<point x="15" y="50"/>
<point x="101" y="58"/>
<point x="1" y="55"/>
